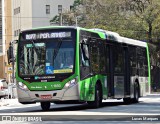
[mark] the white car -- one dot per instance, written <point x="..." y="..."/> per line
<point x="3" y="88"/>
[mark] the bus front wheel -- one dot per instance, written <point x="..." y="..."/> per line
<point x="98" y="98"/>
<point x="45" y="106"/>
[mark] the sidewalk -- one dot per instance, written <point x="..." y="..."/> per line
<point x="7" y="102"/>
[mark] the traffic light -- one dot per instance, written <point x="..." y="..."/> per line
<point x="10" y="54"/>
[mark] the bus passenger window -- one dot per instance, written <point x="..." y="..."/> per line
<point x="133" y="60"/>
<point x="118" y="60"/>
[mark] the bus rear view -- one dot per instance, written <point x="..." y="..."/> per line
<point x="46" y="66"/>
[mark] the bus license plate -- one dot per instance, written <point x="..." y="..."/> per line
<point x="46" y="96"/>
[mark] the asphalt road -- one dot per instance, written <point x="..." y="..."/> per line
<point x="114" y="111"/>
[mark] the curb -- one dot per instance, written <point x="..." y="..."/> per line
<point x="6" y="102"/>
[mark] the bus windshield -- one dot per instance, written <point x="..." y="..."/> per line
<point x="46" y="56"/>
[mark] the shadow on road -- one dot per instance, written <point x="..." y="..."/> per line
<point x="61" y="107"/>
<point x="79" y="107"/>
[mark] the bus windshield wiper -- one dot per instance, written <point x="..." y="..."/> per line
<point x="33" y="43"/>
<point x="57" y="49"/>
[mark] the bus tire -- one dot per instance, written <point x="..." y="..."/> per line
<point x="127" y="100"/>
<point x="98" y="98"/>
<point x="136" y="93"/>
<point x="45" y="106"/>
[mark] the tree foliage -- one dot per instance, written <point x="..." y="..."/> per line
<point x="138" y="19"/>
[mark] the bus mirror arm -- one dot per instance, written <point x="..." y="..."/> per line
<point x="88" y="75"/>
<point x="91" y="74"/>
<point x="14" y="41"/>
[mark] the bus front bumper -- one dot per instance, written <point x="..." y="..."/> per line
<point x="28" y="96"/>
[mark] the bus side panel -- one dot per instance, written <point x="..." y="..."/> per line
<point x="139" y="69"/>
<point x="87" y="87"/>
<point x="143" y="70"/>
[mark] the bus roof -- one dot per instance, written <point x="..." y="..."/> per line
<point x="133" y="42"/>
<point x="116" y="37"/>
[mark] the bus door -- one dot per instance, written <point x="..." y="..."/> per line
<point x="126" y="71"/>
<point x="121" y="73"/>
<point x="118" y="65"/>
<point x="109" y="69"/>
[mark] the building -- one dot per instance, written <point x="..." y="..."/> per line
<point x="1" y="47"/>
<point x="5" y="35"/>
<point x="29" y="14"/>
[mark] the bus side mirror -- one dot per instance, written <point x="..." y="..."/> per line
<point x="85" y="51"/>
<point x="14" y="41"/>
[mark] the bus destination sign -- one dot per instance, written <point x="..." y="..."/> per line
<point x="47" y="35"/>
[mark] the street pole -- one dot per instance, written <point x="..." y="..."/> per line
<point x="12" y="64"/>
<point x="60" y="14"/>
<point x="11" y="59"/>
<point x="60" y="21"/>
<point x="13" y="76"/>
<point x="76" y="21"/>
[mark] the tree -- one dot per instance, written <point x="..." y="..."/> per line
<point x="147" y="12"/>
<point x="138" y="19"/>
<point x="69" y="17"/>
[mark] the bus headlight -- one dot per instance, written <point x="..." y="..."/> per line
<point x="71" y="83"/>
<point x="22" y="86"/>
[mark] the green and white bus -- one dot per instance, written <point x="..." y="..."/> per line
<point x="60" y="64"/>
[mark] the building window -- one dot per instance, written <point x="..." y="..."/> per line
<point x="59" y="9"/>
<point x="1" y="49"/>
<point x="47" y="9"/>
<point x="17" y="10"/>
<point x="19" y="31"/>
<point x="0" y="32"/>
<point x="71" y="8"/>
<point x="16" y="32"/>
